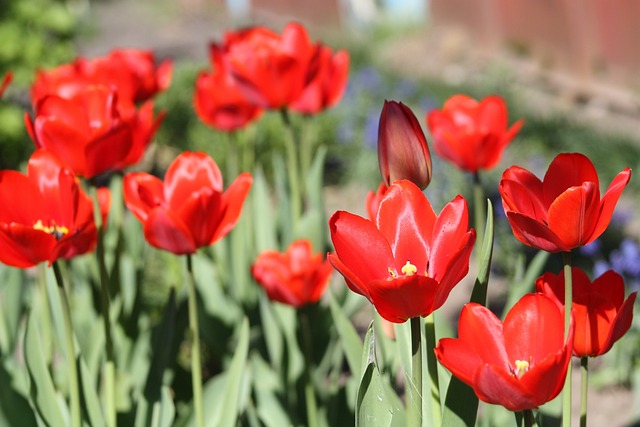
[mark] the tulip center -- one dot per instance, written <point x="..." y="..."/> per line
<point x="57" y="231"/>
<point x="408" y="270"/>
<point x="522" y="366"/>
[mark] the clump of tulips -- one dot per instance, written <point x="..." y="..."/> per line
<point x="253" y="330"/>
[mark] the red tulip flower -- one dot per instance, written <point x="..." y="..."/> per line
<point x="328" y="83"/>
<point x="564" y="210"/>
<point x="45" y="215"/>
<point x="189" y="209"/>
<point x="132" y="72"/>
<point x="269" y="68"/>
<point x="402" y="147"/>
<point x="519" y="364"/>
<point x="601" y="313"/>
<point x="296" y="277"/>
<point x="91" y="132"/>
<point x="471" y="134"/>
<point x="218" y="101"/>
<point x="407" y="262"/>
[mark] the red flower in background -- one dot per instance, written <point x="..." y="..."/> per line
<point x="270" y="69"/>
<point x="402" y="147"/>
<point x="189" y="209"/>
<point x="5" y="82"/>
<point x="296" y="277"/>
<point x="91" y="132"/>
<point x="133" y="72"/>
<point x="601" y="314"/>
<point x="472" y="134"/>
<point x="45" y="215"/>
<point x="519" y="364"/>
<point x="564" y="210"/>
<point x="408" y="261"/>
<point x="218" y="101"/>
<point x="373" y="199"/>
<point x="328" y="83"/>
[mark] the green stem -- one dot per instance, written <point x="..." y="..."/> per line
<point x="479" y="211"/>
<point x="46" y="315"/>
<point x="584" y="389"/>
<point x="309" y="391"/>
<point x="196" y="364"/>
<point x="414" y="399"/>
<point x="306" y="146"/>
<point x="292" y="169"/>
<point x="432" y="365"/>
<point x="527" y="415"/>
<point x="109" y="367"/>
<point x="74" y="390"/>
<point x="568" y="302"/>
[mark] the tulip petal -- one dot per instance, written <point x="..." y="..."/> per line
<point x="406" y="220"/>
<point x="521" y="192"/>
<point x="20" y="199"/>
<point x="620" y="325"/>
<point x="482" y="331"/>
<point x="77" y="242"/>
<point x="402" y="298"/>
<point x="568" y="170"/>
<point x="459" y="358"/>
<point x="196" y="213"/>
<point x="574" y="214"/>
<point x="535" y="234"/>
<point x="545" y="379"/>
<point x="456" y="270"/>
<point x="492" y="115"/>
<point x="449" y="230"/>
<point x="164" y="231"/>
<point x="231" y="204"/>
<point x="142" y="193"/>
<point x="497" y="386"/>
<point x="609" y="201"/>
<point x="25" y="245"/>
<point x="189" y="173"/>
<point x="353" y="282"/>
<point x="360" y="247"/>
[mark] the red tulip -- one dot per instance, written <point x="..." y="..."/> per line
<point x="372" y="201"/>
<point x="328" y="83"/>
<point x="218" y="101"/>
<point x="91" y="132"/>
<point x="564" y="210"/>
<point x="270" y="69"/>
<point x="189" y="209"/>
<point x="132" y="72"/>
<point x="519" y="364"/>
<point x="5" y="82"/>
<point x="402" y="147"/>
<point x="407" y="262"/>
<point x="602" y="315"/>
<point x="296" y="277"/>
<point x="472" y="134"/>
<point x="45" y="215"/>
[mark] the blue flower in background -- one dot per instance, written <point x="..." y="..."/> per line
<point x="592" y="249"/>
<point x="371" y="129"/>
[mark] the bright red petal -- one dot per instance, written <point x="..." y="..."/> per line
<point x="231" y="206"/>
<point x="165" y="231"/>
<point x="497" y="386"/>
<point x="402" y="298"/>
<point x="574" y="214"/>
<point x="608" y="202"/>
<point x="620" y="325"/>
<point x="449" y="231"/>
<point x="565" y="171"/>
<point x="142" y="193"/>
<point x="188" y="173"/>
<point x="535" y="234"/>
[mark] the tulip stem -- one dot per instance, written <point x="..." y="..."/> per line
<point x="74" y="390"/>
<point x="292" y="169"/>
<point x="309" y="391"/>
<point x="527" y="416"/>
<point x="196" y="364"/>
<point x="414" y="399"/>
<point x="568" y="302"/>
<point x="46" y="315"/>
<point x="432" y="366"/>
<point x="109" y="367"/>
<point x="584" y="374"/>
<point x="479" y="211"/>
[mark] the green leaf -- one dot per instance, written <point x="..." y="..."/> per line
<point x="89" y="397"/>
<point x="372" y="407"/>
<point x="235" y="377"/>
<point x="479" y="294"/>
<point x="11" y="307"/>
<point x="264" y="222"/>
<point x="272" y="332"/>
<point x="43" y="393"/>
<point x="368" y="349"/>
<point x="14" y="408"/>
<point x="348" y="336"/>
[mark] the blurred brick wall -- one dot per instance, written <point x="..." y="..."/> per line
<point x="583" y="37"/>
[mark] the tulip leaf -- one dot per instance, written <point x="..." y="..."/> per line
<point x="264" y="229"/>
<point x="348" y="336"/>
<point x="479" y="294"/>
<point x="368" y="349"/>
<point x="11" y="295"/>
<point x="90" y="399"/>
<point x="372" y="406"/>
<point x="42" y="390"/>
<point x="272" y="333"/>
<point x="235" y="377"/>
<point x="14" y="408"/>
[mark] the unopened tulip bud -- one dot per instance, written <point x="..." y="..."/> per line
<point x="402" y="147"/>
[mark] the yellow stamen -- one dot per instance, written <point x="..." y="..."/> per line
<point x="57" y="231"/>
<point x="409" y="269"/>
<point x="522" y="366"/>
<point x="391" y="273"/>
